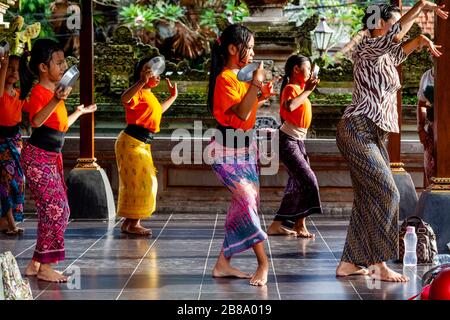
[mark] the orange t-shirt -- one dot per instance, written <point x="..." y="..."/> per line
<point x="144" y="110"/>
<point x="302" y="116"/>
<point x="228" y="92"/>
<point x="39" y="98"/>
<point x="10" y="109"/>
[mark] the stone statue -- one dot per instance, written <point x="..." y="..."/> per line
<point x="17" y="37"/>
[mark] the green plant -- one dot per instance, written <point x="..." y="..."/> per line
<point x="168" y="12"/>
<point x="138" y="16"/>
<point x="208" y="18"/>
<point x="237" y="12"/>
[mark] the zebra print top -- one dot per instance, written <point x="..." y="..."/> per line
<point x="376" y="79"/>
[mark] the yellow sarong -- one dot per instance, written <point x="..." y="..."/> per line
<point x="137" y="178"/>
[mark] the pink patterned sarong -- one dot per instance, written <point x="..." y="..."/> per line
<point x="45" y="178"/>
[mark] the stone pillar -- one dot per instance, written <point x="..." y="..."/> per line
<point x="434" y="203"/>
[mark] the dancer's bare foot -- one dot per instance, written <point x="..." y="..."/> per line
<point x="46" y="273"/>
<point x="134" y="227"/>
<point x="32" y="268"/>
<point x="223" y="269"/>
<point x="276" y="229"/>
<point x="125" y="225"/>
<point x="301" y="230"/>
<point x="346" y="269"/>
<point x="381" y="271"/>
<point x="260" y="277"/>
<point x="14" y="232"/>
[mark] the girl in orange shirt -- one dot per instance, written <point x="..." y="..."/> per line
<point x="137" y="174"/>
<point x="234" y="104"/>
<point x="301" y="196"/>
<point x="41" y="156"/>
<point x="12" y="183"/>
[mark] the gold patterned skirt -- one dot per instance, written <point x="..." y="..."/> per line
<point x="137" y="178"/>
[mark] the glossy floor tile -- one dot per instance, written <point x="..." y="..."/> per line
<point x="175" y="263"/>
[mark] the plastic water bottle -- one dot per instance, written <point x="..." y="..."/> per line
<point x="410" y="257"/>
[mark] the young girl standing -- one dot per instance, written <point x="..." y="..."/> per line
<point x="41" y="156"/>
<point x="137" y="174"/>
<point x="301" y="196"/>
<point x="12" y="184"/>
<point x="234" y="104"/>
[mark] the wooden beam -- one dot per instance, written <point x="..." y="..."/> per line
<point x="87" y="80"/>
<point x="442" y="98"/>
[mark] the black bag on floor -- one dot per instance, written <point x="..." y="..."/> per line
<point x="426" y="240"/>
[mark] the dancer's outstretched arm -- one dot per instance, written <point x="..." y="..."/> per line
<point x="420" y="42"/>
<point x="408" y="19"/>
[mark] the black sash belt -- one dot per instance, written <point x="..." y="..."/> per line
<point x="9" y="132"/>
<point x="233" y="138"/>
<point x="140" y="133"/>
<point x="47" y="139"/>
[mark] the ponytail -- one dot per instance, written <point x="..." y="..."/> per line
<point x="217" y="64"/>
<point x="284" y="83"/>
<point x="26" y="76"/>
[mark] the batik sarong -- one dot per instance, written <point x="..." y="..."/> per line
<point x="372" y="235"/>
<point x="238" y="170"/>
<point x="429" y="156"/>
<point x="138" y="184"/>
<point x="12" y="181"/>
<point x="301" y="195"/>
<point x="44" y="173"/>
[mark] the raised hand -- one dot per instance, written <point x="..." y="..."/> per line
<point x="173" y="89"/>
<point x="267" y="90"/>
<point x="434" y="49"/>
<point x="259" y="74"/>
<point x="439" y="10"/>
<point x="146" y="74"/>
<point x="61" y="93"/>
<point x="89" y="109"/>
<point x="311" y="84"/>
<point x="4" y="60"/>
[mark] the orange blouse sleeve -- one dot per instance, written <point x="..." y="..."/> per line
<point x="227" y="93"/>
<point x="289" y="93"/>
<point x="36" y="102"/>
<point x="134" y="101"/>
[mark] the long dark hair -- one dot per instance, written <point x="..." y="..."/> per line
<point x="42" y="52"/>
<point x="13" y="57"/>
<point x="292" y="61"/>
<point x="235" y="34"/>
<point x="386" y="12"/>
<point x="138" y="68"/>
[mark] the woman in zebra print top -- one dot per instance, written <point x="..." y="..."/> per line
<point x="372" y="236"/>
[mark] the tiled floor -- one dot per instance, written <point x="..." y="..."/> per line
<point x="176" y="263"/>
